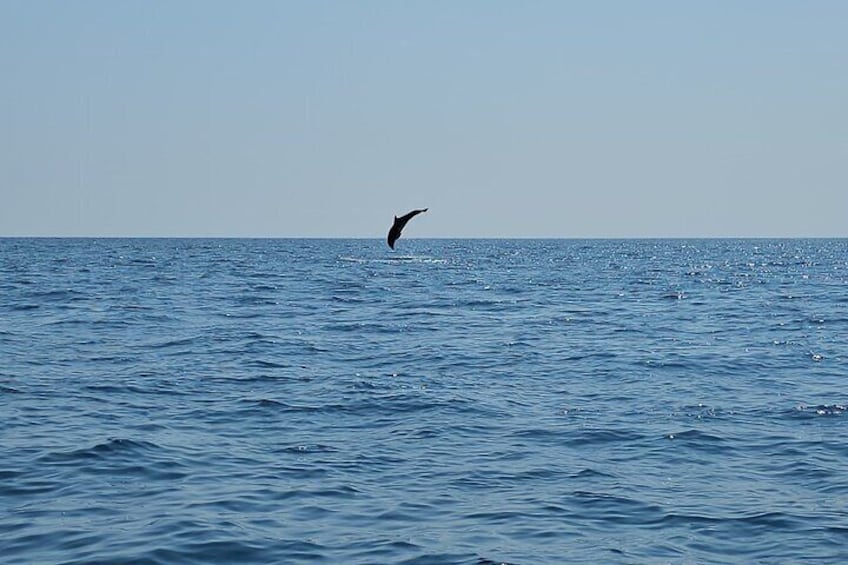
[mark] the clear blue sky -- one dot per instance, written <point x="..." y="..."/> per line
<point x="506" y="119"/>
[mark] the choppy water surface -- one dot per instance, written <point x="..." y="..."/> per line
<point x="469" y="401"/>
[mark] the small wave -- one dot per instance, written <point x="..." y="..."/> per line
<point x="57" y="295"/>
<point x="771" y="521"/>
<point x="175" y="342"/>
<point x="428" y="558"/>
<point x="119" y="456"/>
<point x="699" y="411"/>
<point x="6" y="475"/>
<point x="270" y="404"/>
<point x="263" y="364"/>
<point x="108" y="449"/>
<point x="308" y="448"/>
<point x="620" y="509"/>
<point x="423" y="259"/>
<point x="267" y="402"/>
<point x="701" y="440"/>
<point x="819" y="410"/>
<point x="228" y="551"/>
<point x="348" y="299"/>
<point x="261" y="377"/>
<point x="246" y="301"/>
<point x="588" y="473"/>
<point x="593" y="437"/>
<point x="263" y="287"/>
<point x="110" y="389"/>
<point x="24" y="307"/>
<point x="349" y="259"/>
<point x="387" y="551"/>
<point x="675" y="295"/>
<point x="358" y="327"/>
<point x="497" y="517"/>
<point x="487" y="561"/>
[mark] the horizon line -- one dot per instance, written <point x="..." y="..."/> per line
<point x="444" y="238"/>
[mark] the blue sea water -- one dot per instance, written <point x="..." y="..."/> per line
<point x="455" y="401"/>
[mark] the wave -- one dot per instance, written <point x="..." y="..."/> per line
<point x="112" y="448"/>
<point x="390" y="260"/>
<point x="807" y="411"/>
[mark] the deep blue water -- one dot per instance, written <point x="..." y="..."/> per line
<point x="455" y="401"/>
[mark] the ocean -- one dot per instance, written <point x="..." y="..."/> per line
<point x="451" y="402"/>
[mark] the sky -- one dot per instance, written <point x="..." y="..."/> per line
<point x="323" y="118"/>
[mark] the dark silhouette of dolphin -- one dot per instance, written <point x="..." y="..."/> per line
<point x="398" y="225"/>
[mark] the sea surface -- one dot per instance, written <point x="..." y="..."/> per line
<point x="452" y="402"/>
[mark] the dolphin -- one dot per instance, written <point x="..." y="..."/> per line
<point x="398" y="225"/>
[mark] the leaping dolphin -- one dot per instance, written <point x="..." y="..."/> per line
<point x="398" y="225"/>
